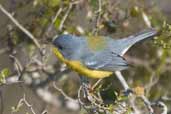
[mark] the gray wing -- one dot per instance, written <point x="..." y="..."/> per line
<point x="107" y="61"/>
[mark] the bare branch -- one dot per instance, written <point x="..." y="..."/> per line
<point x="146" y="19"/>
<point x="57" y="14"/>
<point x="147" y="103"/>
<point x="28" y="105"/>
<point x="153" y="80"/>
<point x="65" y="16"/>
<point x="162" y="106"/>
<point x="44" y="112"/>
<point x="20" y="104"/>
<point x="97" y="83"/>
<point x="122" y="80"/>
<point x="126" y="87"/>
<point x="17" y="64"/>
<point x="21" y="27"/>
<point x="53" y="21"/>
<point x="63" y="93"/>
<point x="99" y="12"/>
<point x="98" y="17"/>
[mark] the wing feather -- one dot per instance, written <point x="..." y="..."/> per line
<point x="107" y="61"/>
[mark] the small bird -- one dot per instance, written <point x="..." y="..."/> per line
<point x="96" y="56"/>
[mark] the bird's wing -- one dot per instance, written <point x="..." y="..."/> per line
<point x="107" y="61"/>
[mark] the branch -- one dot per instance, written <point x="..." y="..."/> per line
<point x="162" y="106"/>
<point x="28" y="105"/>
<point x="126" y="87"/>
<point x="98" y="17"/>
<point x="99" y="12"/>
<point x="122" y="80"/>
<point x="53" y="21"/>
<point x="65" y="17"/>
<point x="146" y="19"/>
<point x="20" y="104"/>
<point x="63" y="93"/>
<point x="21" y="27"/>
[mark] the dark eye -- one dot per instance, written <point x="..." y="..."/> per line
<point x="60" y="47"/>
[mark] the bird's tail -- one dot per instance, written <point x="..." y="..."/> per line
<point x="133" y="39"/>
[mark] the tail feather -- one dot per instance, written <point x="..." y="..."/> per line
<point x="143" y="35"/>
<point x="133" y="39"/>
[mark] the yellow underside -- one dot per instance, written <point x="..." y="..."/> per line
<point x="80" y="68"/>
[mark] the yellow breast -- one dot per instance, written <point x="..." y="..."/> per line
<point x="80" y="68"/>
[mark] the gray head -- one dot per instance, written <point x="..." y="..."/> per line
<point x="68" y="45"/>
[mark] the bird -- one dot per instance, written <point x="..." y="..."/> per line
<point x="96" y="56"/>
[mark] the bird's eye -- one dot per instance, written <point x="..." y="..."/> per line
<point x="60" y="47"/>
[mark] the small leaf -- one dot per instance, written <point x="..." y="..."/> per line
<point x="135" y="11"/>
<point x="5" y="73"/>
<point x="57" y="23"/>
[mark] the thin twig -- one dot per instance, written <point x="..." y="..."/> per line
<point x="97" y="83"/>
<point x="126" y="87"/>
<point x="17" y="64"/>
<point x="135" y="108"/>
<point x="21" y="27"/>
<point x="98" y="17"/>
<point x="162" y="106"/>
<point x="153" y="80"/>
<point x="148" y="104"/>
<point x="79" y="96"/>
<point x="84" y="105"/>
<point x="65" y="17"/>
<point x="146" y="19"/>
<point x="28" y="105"/>
<point x="53" y="21"/>
<point x="166" y="98"/>
<point x="57" y="15"/>
<point x="12" y="80"/>
<point x="20" y="104"/>
<point x="63" y="93"/>
<point x="20" y="69"/>
<point x="44" y="112"/>
<point x="165" y="109"/>
<point x="99" y="12"/>
<point x="122" y="80"/>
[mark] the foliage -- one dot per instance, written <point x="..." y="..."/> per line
<point x="3" y="75"/>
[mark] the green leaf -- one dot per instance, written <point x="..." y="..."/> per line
<point x="5" y="73"/>
<point x="135" y="11"/>
<point x="57" y="23"/>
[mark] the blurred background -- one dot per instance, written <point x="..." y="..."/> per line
<point x="31" y="78"/>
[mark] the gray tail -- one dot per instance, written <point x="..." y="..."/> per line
<point x="133" y="39"/>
